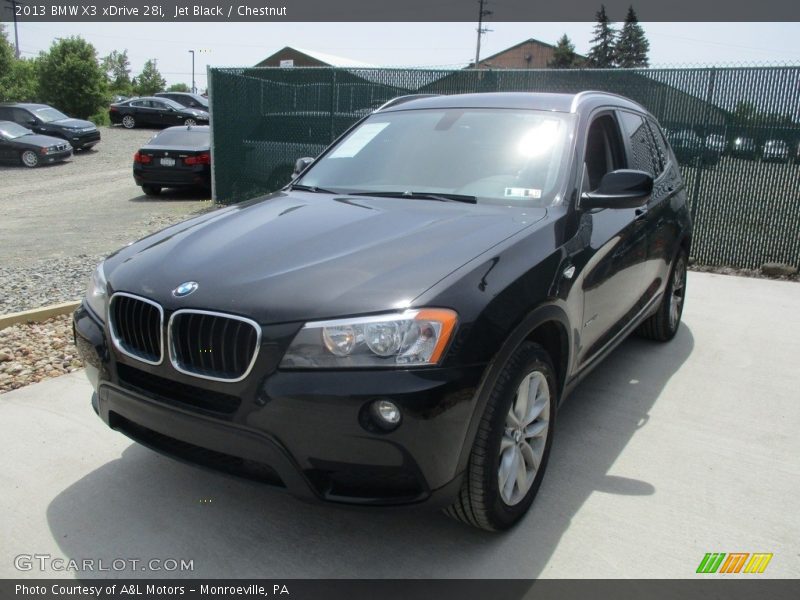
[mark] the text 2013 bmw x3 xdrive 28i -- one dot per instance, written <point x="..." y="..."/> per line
<point x="400" y="323"/>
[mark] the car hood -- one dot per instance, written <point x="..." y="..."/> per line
<point x="301" y="256"/>
<point x="74" y="123"/>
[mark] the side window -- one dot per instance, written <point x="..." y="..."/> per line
<point x="643" y="154"/>
<point x="604" y="151"/>
<point x="158" y="105"/>
<point x="5" y="114"/>
<point x="662" y="147"/>
<point x="21" y="116"/>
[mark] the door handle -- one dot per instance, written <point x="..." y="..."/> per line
<point x="640" y="213"/>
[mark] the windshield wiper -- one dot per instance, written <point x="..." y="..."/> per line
<point x="421" y="196"/>
<point x="311" y="188"/>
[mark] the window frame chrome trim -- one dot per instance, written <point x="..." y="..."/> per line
<point x="171" y="346"/>
<point x="115" y="339"/>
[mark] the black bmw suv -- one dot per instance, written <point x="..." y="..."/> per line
<point x="46" y="120"/>
<point x="400" y="323"/>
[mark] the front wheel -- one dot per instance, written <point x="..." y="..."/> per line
<point x="30" y="159"/>
<point x="512" y="445"/>
<point x="663" y="325"/>
<point x="128" y="122"/>
<point x="190" y="122"/>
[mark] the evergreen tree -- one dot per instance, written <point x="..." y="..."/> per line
<point x="632" y="45"/>
<point x="71" y="78"/>
<point x="563" y="55"/>
<point x="149" y="81"/>
<point x="601" y="55"/>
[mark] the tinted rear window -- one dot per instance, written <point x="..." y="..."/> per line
<point x="183" y="137"/>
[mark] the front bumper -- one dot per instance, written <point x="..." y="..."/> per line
<point x="55" y="156"/>
<point x="304" y="431"/>
<point x="81" y="141"/>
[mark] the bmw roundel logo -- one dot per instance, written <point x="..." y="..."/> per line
<point x="185" y="289"/>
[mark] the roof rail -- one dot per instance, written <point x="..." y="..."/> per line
<point x="402" y="99"/>
<point x="580" y="95"/>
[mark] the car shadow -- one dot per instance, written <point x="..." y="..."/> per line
<point x="21" y="167"/>
<point x="175" y="194"/>
<point x="143" y="505"/>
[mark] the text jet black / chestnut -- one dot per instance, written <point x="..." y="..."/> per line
<point x="401" y="322"/>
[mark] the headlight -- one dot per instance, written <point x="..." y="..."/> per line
<point x="96" y="295"/>
<point x="410" y="338"/>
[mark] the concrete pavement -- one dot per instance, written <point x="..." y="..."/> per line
<point x="664" y="453"/>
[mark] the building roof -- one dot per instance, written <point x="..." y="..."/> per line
<point x="327" y="59"/>
<point x="549" y="48"/>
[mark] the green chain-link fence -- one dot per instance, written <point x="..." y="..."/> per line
<point x="735" y="131"/>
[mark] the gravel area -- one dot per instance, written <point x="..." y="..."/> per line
<point x="31" y="352"/>
<point x="57" y="279"/>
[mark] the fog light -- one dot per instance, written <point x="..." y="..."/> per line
<point x="386" y="413"/>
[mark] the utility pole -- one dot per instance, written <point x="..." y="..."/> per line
<point x="14" y="4"/>
<point x="194" y="91"/>
<point x="482" y="12"/>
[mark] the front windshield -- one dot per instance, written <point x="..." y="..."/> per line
<point x="11" y="131"/>
<point x="496" y="155"/>
<point x="48" y="114"/>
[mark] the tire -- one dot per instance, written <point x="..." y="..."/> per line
<point x="29" y="158"/>
<point x="128" y="122"/>
<point x="664" y="324"/>
<point x="481" y="502"/>
<point x="151" y="190"/>
<point x="190" y="122"/>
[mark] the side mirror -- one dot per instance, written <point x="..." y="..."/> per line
<point x="624" y="188"/>
<point x="31" y="122"/>
<point x="301" y="165"/>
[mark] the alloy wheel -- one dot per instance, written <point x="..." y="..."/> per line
<point x="29" y="158"/>
<point x="524" y="438"/>
<point x="190" y="122"/>
<point x="128" y="122"/>
<point x="678" y="293"/>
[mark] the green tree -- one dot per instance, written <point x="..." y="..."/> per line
<point x="6" y="51"/>
<point x="178" y="87"/>
<point x="23" y="82"/>
<point x="118" y="71"/>
<point x="601" y="55"/>
<point x="632" y="45"/>
<point x="6" y="62"/>
<point x="71" y="78"/>
<point x="564" y="54"/>
<point x="149" y="81"/>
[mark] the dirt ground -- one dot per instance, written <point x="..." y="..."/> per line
<point x="88" y="205"/>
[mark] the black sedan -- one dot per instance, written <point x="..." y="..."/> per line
<point x="21" y="145"/>
<point x="175" y="157"/>
<point x="158" y="112"/>
<point x="402" y="322"/>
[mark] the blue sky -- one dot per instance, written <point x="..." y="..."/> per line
<point x="403" y="44"/>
